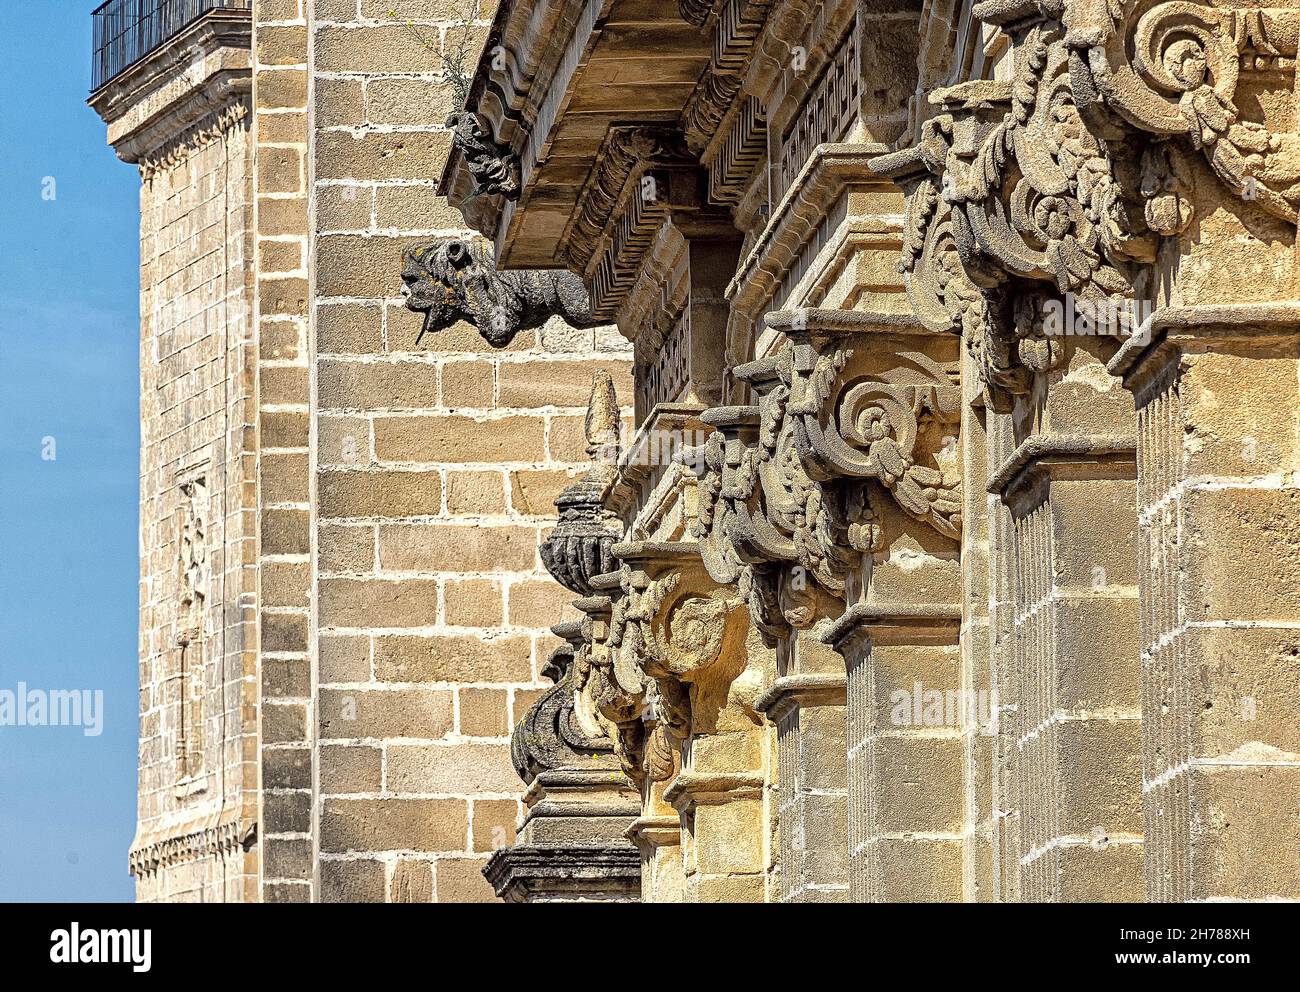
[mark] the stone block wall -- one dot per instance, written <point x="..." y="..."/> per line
<point x="435" y="465"/>
<point x="197" y="781"/>
<point x="284" y="492"/>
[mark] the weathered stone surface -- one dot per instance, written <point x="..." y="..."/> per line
<point x="904" y="571"/>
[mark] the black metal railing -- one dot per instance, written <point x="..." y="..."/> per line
<point x="125" y="31"/>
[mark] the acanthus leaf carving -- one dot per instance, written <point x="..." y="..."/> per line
<point x="1063" y="180"/>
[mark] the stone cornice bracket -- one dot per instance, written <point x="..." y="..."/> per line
<point x="493" y="167"/>
<point x="866" y="408"/>
<point x="1012" y="201"/>
<point x="579" y="548"/>
<point x="726" y="128"/>
<point x="1064" y="179"/>
<point x="455" y="279"/>
<point x="678" y="618"/>
<point x="785" y="541"/>
<point x="1172" y="70"/>
<point x="680" y="634"/>
<point x="614" y="690"/>
<point x="551" y="735"/>
<point x="643" y="176"/>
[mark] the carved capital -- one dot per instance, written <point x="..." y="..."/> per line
<point x="675" y="646"/>
<point x="1064" y="179"/>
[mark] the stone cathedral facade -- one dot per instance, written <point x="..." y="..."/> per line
<point x="717" y="450"/>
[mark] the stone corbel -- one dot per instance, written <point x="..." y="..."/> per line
<point x="1171" y="71"/>
<point x="875" y="397"/>
<point x="678" y="642"/>
<point x="1064" y="180"/>
<point x="1013" y="201"/>
<point x="785" y="541"/>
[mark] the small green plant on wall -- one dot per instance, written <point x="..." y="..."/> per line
<point x="453" y="52"/>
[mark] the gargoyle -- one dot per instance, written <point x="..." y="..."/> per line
<point x="454" y="280"/>
<point x="494" y="167"/>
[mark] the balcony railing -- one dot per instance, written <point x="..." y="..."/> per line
<point x="125" y="31"/>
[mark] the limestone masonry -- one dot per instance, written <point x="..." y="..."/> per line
<point x="715" y="450"/>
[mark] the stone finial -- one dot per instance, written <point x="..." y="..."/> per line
<point x="456" y="279"/>
<point x="579" y="547"/>
<point x="602" y="424"/>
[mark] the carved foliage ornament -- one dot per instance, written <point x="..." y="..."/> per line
<point x="1173" y="70"/>
<point x="784" y="510"/>
<point x="1065" y="179"/>
<point x="786" y="541"/>
<point x="671" y="629"/>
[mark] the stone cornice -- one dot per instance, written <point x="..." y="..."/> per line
<point x="152" y="851"/>
<point x="654" y="831"/>
<point x="1139" y="356"/>
<point x="1042" y="456"/>
<point x="199" y="75"/>
<point x="828" y="174"/>
<point x="912" y="623"/>
<point x="811" y="689"/>
<point x="690" y="789"/>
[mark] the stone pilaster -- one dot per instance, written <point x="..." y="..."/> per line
<point x="807" y="707"/>
<point x="1216" y="396"/>
<point x="1073" y="650"/>
<point x="906" y="759"/>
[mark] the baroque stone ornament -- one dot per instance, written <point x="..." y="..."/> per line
<point x="455" y="279"/>
<point x="673" y="646"/>
<point x="578" y="549"/>
<point x="551" y="735"/>
<point x="1064" y="179"/>
<point x="494" y="167"/>
<point x="786" y="541"/>
<point x="1179" y="70"/>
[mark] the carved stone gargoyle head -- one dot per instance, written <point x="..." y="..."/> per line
<point x="457" y="279"/>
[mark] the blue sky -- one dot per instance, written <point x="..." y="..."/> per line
<point x="69" y="275"/>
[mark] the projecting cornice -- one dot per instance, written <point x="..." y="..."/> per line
<point x="199" y="80"/>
